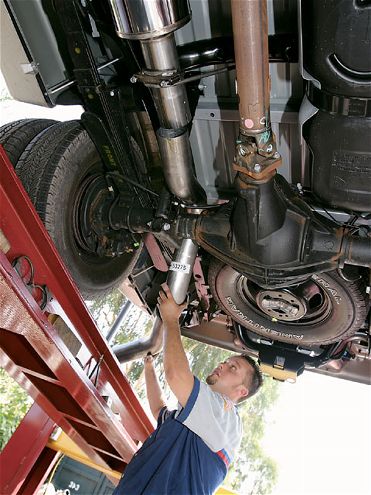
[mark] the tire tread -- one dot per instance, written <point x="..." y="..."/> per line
<point x="44" y="165"/>
<point x="16" y="136"/>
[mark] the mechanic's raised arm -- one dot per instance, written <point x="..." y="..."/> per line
<point x="177" y="372"/>
<point x="154" y="393"/>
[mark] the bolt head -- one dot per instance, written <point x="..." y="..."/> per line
<point x="276" y="155"/>
<point x="166" y="226"/>
<point x="133" y="79"/>
<point x="241" y="151"/>
<point x="269" y="148"/>
<point x="257" y="168"/>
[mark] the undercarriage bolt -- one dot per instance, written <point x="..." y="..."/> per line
<point x="269" y="148"/>
<point x="276" y="155"/>
<point x="133" y="79"/>
<point x="166" y="226"/>
<point x="257" y="168"/>
<point x="241" y="150"/>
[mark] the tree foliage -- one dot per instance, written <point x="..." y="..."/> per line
<point x="14" y="404"/>
<point x="255" y="473"/>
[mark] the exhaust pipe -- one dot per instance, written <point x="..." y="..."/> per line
<point x="177" y="158"/>
<point x="153" y="23"/>
<point x="178" y="281"/>
<point x="141" y="347"/>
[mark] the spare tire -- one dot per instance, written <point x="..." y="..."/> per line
<point x="324" y="309"/>
<point x="53" y="169"/>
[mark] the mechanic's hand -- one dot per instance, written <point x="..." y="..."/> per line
<point x="169" y="309"/>
<point x="148" y="360"/>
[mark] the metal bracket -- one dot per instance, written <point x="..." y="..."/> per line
<point x="277" y="373"/>
<point x="256" y="156"/>
<point x="30" y="68"/>
<point x="160" y="80"/>
<point x="285" y="366"/>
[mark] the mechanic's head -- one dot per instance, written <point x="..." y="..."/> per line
<point x="239" y="378"/>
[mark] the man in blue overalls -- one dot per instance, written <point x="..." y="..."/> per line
<point x="190" y="451"/>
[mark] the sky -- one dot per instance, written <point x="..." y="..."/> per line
<point x="319" y="431"/>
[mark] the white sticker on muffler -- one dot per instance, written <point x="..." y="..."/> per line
<point x="180" y="267"/>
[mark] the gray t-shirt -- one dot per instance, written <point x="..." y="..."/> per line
<point x="215" y="419"/>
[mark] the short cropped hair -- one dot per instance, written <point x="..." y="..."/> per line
<point x="255" y="381"/>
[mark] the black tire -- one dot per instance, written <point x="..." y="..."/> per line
<point x="51" y="169"/>
<point x="340" y="312"/>
<point x="15" y="136"/>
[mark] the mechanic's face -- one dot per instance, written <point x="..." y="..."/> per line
<point x="230" y="376"/>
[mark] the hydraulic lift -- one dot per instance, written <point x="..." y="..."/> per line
<point x="91" y="400"/>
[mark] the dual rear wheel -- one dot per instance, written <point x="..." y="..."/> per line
<point x="54" y="160"/>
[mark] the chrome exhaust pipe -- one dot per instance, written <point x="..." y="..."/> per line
<point x="177" y="158"/>
<point x="153" y="22"/>
<point x="181" y="270"/>
<point x="145" y="19"/>
<point x="178" y="281"/>
<point x="171" y="102"/>
<point x="141" y="347"/>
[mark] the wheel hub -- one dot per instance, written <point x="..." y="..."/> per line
<point x="281" y="304"/>
<point x="91" y="228"/>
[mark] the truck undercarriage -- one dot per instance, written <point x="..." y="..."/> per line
<point x="228" y="155"/>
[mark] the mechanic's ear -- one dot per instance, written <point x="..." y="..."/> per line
<point x="244" y="392"/>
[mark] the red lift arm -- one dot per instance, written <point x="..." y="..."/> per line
<point x="34" y="354"/>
